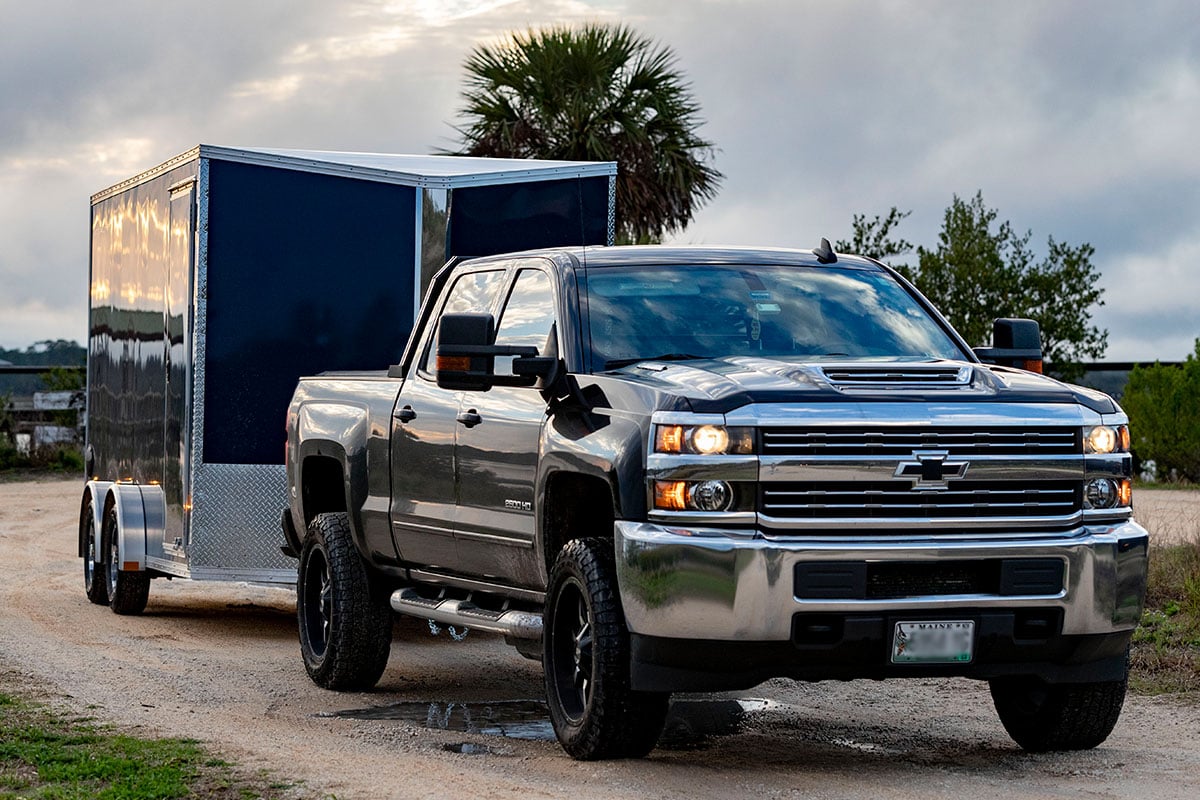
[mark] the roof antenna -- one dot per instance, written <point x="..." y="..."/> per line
<point x="824" y="252"/>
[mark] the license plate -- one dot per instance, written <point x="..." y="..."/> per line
<point x="933" y="642"/>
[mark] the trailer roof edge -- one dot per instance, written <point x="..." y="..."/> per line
<point x="315" y="161"/>
<point x="149" y="174"/>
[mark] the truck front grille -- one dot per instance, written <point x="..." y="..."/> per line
<point x="898" y="500"/>
<point x="902" y="441"/>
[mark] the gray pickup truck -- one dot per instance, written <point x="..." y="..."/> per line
<point x="665" y="469"/>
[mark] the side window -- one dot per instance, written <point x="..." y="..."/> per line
<point x="528" y="316"/>
<point x="474" y="292"/>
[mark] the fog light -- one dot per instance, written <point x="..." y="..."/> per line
<point x="710" y="496"/>
<point x="1102" y="493"/>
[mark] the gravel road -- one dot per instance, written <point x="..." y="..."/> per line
<point x="220" y="663"/>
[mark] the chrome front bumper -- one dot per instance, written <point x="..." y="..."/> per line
<point x="722" y="585"/>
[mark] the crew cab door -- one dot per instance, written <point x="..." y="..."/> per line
<point x="499" y="438"/>
<point x="424" y="427"/>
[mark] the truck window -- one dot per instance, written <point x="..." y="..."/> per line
<point x="758" y="310"/>
<point x="528" y="317"/>
<point x="473" y="293"/>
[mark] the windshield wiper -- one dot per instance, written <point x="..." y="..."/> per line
<point x="625" y="362"/>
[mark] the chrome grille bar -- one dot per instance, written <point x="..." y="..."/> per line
<point x="902" y="441"/>
<point x="897" y="499"/>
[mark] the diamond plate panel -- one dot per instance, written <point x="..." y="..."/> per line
<point x="612" y="210"/>
<point x="235" y="517"/>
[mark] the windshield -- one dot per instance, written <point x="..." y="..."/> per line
<point x="679" y="312"/>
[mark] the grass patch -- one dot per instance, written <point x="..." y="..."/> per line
<point x="1166" y="646"/>
<point x="45" y="754"/>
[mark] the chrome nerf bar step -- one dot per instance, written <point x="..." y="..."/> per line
<point x="512" y="623"/>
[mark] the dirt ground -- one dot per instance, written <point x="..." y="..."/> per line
<point x="220" y="663"/>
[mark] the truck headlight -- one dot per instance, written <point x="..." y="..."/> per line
<point x="705" y="440"/>
<point x="1106" y="439"/>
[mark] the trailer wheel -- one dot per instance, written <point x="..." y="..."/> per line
<point x="94" y="582"/>
<point x="345" y="623"/>
<point x="1042" y="717"/>
<point x="594" y="711"/>
<point x="127" y="591"/>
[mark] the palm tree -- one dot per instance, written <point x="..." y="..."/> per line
<point x="595" y="93"/>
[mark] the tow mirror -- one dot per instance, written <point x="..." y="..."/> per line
<point x="466" y="356"/>
<point x="1015" y="343"/>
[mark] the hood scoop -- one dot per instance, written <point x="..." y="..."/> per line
<point x="867" y="377"/>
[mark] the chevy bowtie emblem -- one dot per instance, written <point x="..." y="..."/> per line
<point x="930" y="470"/>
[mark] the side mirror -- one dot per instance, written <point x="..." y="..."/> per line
<point x="466" y="356"/>
<point x="1015" y="343"/>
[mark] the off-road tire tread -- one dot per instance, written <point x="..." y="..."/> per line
<point x="360" y="638"/>
<point x="1072" y="717"/>
<point x="620" y="723"/>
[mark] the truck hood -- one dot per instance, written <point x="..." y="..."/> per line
<point x="719" y="385"/>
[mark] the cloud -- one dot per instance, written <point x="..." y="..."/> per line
<point x="1075" y="120"/>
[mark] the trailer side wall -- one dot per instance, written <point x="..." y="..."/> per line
<point x="138" y="301"/>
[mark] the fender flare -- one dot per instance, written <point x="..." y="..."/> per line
<point x="141" y="513"/>
<point x="95" y="492"/>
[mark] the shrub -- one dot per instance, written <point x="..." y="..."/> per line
<point x="1163" y="404"/>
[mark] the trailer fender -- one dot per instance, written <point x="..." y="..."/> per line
<point x="94" y="494"/>
<point x="141" y="513"/>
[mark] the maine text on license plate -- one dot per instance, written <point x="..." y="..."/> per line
<point x="933" y="642"/>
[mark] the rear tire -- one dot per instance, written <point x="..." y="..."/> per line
<point x="128" y="591"/>
<point x="1042" y="717"/>
<point x="594" y="711"/>
<point x="345" y="623"/>
<point x="94" y="582"/>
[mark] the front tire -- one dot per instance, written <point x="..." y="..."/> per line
<point x="128" y="592"/>
<point x="94" y="582"/>
<point x="1042" y="717"/>
<point x="345" y="623"/>
<point x="594" y="711"/>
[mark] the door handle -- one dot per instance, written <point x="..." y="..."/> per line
<point x="469" y="418"/>
<point x="406" y="414"/>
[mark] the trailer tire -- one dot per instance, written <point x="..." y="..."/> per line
<point x="595" y="713"/>
<point x="128" y="591"/>
<point x="94" y="582"/>
<point x="1043" y="717"/>
<point x="345" y="623"/>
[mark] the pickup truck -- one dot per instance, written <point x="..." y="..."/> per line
<point x="667" y="469"/>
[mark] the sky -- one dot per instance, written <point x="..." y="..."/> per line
<point x="1075" y="119"/>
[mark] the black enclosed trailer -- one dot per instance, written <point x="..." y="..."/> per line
<point x="220" y="277"/>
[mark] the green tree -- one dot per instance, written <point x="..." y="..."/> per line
<point x="1163" y="404"/>
<point x="982" y="269"/>
<point x="873" y="238"/>
<point x="595" y="93"/>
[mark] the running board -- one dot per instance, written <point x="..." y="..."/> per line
<point x="512" y="623"/>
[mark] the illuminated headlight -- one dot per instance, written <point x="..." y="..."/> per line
<point x="693" y="495"/>
<point x="1108" y="493"/>
<point x="1106" y="439"/>
<point x="704" y="440"/>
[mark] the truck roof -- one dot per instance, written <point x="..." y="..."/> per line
<point x="626" y="255"/>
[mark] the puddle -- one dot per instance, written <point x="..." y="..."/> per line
<point x="690" y="721"/>
<point x="514" y="719"/>
<point x="467" y="749"/>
